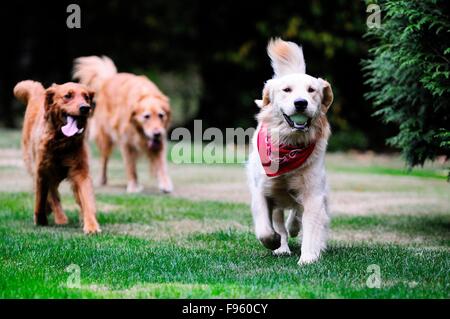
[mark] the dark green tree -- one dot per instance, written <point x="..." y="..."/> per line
<point x="408" y="73"/>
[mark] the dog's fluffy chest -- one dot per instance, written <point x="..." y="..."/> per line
<point x="286" y="191"/>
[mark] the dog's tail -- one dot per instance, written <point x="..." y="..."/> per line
<point x="93" y="71"/>
<point x="287" y="57"/>
<point x="25" y="90"/>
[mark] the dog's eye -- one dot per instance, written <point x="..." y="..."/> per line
<point x="287" y="90"/>
<point x="311" y="89"/>
<point x="146" y="116"/>
<point x="161" y="115"/>
<point x="68" y="96"/>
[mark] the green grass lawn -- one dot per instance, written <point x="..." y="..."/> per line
<point x="199" y="243"/>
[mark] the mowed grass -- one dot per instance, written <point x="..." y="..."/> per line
<point x="215" y="255"/>
<point x="158" y="246"/>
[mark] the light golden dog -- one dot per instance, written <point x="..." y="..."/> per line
<point x="131" y="112"/>
<point x="286" y="167"/>
<point x="54" y="147"/>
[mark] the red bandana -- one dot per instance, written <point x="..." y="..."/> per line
<point x="285" y="158"/>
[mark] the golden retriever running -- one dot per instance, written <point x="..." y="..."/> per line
<point x="286" y="167"/>
<point x="54" y="147"/>
<point x="131" y="112"/>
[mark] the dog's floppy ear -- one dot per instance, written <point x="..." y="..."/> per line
<point x="133" y="114"/>
<point x="327" y="95"/>
<point x="166" y="103"/>
<point x="167" y="110"/>
<point x="49" y="97"/>
<point x="267" y="93"/>
<point x="91" y="98"/>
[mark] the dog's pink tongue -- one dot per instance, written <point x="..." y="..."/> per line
<point x="70" y="128"/>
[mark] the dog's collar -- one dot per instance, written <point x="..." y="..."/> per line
<point x="280" y="159"/>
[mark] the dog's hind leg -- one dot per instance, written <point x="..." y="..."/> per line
<point x="55" y="204"/>
<point x="293" y="223"/>
<point x="278" y="225"/>
<point x="41" y="205"/>
<point x="105" y="145"/>
<point x="262" y="217"/>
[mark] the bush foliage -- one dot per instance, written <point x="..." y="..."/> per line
<point x="209" y="57"/>
<point x="408" y="74"/>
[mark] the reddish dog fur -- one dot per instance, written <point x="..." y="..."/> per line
<point x="50" y="155"/>
<point x="131" y="112"/>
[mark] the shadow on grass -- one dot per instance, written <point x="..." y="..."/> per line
<point x="434" y="227"/>
<point x="148" y="208"/>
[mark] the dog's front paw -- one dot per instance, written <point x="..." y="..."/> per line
<point x="166" y="190"/>
<point x="91" y="228"/>
<point x="282" y="251"/>
<point x="271" y="241"/>
<point x="61" y="219"/>
<point x="306" y="258"/>
<point x="166" y="187"/>
<point x="134" y="188"/>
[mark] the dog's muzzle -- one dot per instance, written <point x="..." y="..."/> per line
<point x="154" y="143"/>
<point x="299" y="122"/>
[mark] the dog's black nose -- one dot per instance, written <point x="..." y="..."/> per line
<point x="157" y="135"/>
<point x="300" y="105"/>
<point x="84" y="109"/>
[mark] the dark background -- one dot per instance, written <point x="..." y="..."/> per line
<point x="208" y="56"/>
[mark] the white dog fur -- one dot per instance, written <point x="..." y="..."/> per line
<point x="302" y="191"/>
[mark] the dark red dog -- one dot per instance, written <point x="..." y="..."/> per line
<point x="54" y="147"/>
